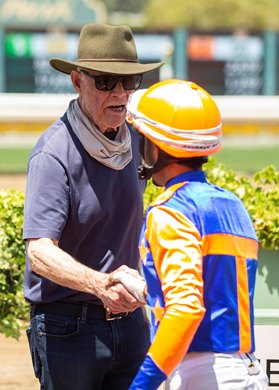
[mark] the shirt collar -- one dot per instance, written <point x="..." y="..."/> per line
<point x="187" y="176"/>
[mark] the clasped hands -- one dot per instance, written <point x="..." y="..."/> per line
<point x="126" y="290"/>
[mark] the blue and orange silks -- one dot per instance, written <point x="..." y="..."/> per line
<point x="199" y="253"/>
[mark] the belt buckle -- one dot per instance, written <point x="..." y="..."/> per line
<point x="111" y="317"/>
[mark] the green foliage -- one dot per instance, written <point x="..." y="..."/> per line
<point x="12" y="258"/>
<point x="212" y="14"/>
<point x="259" y="194"/>
<point x="151" y="193"/>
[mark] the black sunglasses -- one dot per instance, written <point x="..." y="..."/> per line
<point x="108" y="83"/>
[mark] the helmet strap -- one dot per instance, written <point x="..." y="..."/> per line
<point x="153" y="159"/>
<point x="146" y="171"/>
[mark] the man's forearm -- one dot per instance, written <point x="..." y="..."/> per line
<point x="51" y="262"/>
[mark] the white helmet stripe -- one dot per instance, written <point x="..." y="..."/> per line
<point x="189" y="142"/>
<point x="172" y="130"/>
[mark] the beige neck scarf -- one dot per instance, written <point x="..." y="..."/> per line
<point x="115" y="154"/>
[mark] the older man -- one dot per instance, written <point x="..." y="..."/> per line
<point x="83" y="214"/>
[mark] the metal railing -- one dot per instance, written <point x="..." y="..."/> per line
<point x="45" y="108"/>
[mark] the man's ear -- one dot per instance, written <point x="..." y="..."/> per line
<point x="75" y="77"/>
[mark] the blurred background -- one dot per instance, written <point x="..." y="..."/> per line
<point x="229" y="48"/>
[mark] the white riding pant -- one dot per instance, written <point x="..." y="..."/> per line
<point x="218" y="371"/>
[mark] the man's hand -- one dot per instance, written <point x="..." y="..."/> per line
<point x="132" y="281"/>
<point x="116" y="298"/>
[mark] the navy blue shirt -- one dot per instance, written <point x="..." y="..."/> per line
<point x="93" y="211"/>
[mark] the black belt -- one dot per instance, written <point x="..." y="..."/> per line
<point x="81" y="310"/>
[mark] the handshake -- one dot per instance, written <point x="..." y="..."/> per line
<point x="132" y="281"/>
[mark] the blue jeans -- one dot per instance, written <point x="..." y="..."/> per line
<point x="73" y="354"/>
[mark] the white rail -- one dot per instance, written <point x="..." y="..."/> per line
<point x="34" y="108"/>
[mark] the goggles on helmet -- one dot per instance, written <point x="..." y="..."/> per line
<point x="152" y="159"/>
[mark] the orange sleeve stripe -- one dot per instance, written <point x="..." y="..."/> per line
<point x="243" y="305"/>
<point x="175" y="244"/>
<point x="171" y="233"/>
<point x="228" y="244"/>
<point x="173" y="338"/>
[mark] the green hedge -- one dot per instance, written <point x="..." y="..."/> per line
<point x="13" y="309"/>
<point x="259" y="193"/>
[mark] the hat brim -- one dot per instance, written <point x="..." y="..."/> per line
<point x="113" y="67"/>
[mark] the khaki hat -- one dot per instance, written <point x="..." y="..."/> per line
<point x="107" y="49"/>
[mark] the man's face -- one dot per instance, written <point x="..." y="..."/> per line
<point x="106" y="109"/>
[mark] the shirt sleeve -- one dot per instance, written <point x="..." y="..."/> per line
<point x="175" y="244"/>
<point x="47" y="198"/>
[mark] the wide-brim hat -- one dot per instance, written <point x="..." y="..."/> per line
<point x="108" y="49"/>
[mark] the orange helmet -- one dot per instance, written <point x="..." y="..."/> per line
<point x="180" y="117"/>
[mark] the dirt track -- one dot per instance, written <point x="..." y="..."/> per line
<point x="16" y="371"/>
<point x="13" y="181"/>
